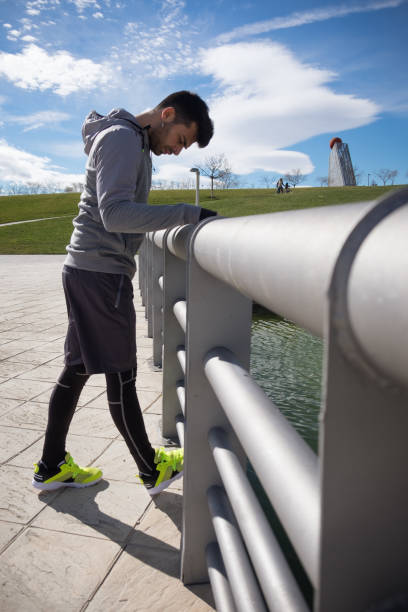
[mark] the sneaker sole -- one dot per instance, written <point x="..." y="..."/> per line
<point x="163" y="485"/>
<point x="51" y="486"/>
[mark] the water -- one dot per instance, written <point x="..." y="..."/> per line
<point x="286" y="362"/>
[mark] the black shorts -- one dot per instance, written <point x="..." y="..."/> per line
<point x="101" y="321"/>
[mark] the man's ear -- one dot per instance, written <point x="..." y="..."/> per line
<point x="168" y="114"/>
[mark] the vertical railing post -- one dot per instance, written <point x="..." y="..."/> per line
<point x="174" y="289"/>
<point x="141" y="260"/>
<point x="149" y="283"/>
<point x="157" y="297"/>
<point x="364" y="453"/>
<point x="217" y="315"/>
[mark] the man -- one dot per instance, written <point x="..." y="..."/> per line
<point x="113" y="217"/>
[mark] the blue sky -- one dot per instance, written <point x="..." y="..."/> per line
<point x="281" y="80"/>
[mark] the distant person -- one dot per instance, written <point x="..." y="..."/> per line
<point x="108" y="231"/>
<point x="279" y="186"/>
<point x="287" y="187"/>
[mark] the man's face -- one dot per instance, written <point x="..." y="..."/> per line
<point x="169" y="138"/>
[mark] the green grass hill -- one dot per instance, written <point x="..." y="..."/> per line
<point x="52" y="235"/>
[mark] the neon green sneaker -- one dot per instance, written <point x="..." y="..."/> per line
<point x="169" y="467"/>
<point x="67" y="474"/>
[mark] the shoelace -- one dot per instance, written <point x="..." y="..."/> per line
<point x="172" y="458"/>
<point x="74" y="467"/>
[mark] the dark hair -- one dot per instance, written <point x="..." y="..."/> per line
<point x="190" y="107"/>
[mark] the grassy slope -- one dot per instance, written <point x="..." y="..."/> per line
<point x="51" y="236"/>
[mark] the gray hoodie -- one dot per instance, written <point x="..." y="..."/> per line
<point x="113" y="210"/>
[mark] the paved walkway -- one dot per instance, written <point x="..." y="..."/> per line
<point x="108" y="547"/>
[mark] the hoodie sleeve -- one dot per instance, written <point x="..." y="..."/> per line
<point x="118" y="162"/>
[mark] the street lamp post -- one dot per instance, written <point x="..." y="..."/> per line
<point x="197" y="194"/>
<point x="368" y="182"/>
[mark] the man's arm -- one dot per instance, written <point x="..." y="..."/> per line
<point x="118" y="159"/>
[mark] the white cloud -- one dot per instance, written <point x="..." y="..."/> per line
<point x="74" y="149"/>
<point x="309" y="16"/>
<point x="98" y="15"/>
<point x="258" y="112"/>
<point x="165" y="49"/>
<point x="7" y="25"/>
<point x="19" y="166"/>
<point x="34" y="68"/>
<point x="28" y="38"/>
<point x="38" y="120"/>
<point x="81" y="5"/>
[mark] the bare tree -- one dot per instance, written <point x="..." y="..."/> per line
<point x="323" y="180"/>
<point x="393" y="176"/>
<point x="385" y="174"/>
<point x="215" y="167"/>
<point x="357" y="174"/>
<point x="294" y="177"/>
<point x="269" y="180"/>
<point x="227" y="181"/>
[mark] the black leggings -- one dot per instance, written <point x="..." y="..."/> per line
<point x="123" y="405"/>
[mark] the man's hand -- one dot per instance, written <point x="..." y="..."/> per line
<point x="206" y="212"/>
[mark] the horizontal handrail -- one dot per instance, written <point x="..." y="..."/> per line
<point x="158" y="238"/>
<point x="275" y="577"/>
<point x="219" y="583"/>
<point x="181" y="394"/>
<point x="181" y="356"/>
<point x="377" y="319"/>
<point x="180" y="428"/>
<point x="180" y="312"/>
<point x="240" y="574"/>
<point x="284" y="463"/>
<point x="177" y="240"/>
<point x="301" y="246"/>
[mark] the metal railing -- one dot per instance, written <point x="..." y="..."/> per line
<point x="342" y="273"/>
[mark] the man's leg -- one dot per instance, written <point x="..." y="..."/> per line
<point x="63" y="401"/>
<point x="127" y="415"/>
<point x="158" y="468"/>
<point x="56" y="468"/>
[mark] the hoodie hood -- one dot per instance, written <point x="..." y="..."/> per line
<point x="96" y="123"/>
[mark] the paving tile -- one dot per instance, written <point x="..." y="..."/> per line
<point x="7" y="404"/>
<point x="97" y="380"/>
<point x="29" y="334"/>
<point x="146" y="398"/>
<point x="144" y="352"/>
<point x="23" y="389"/>
<point x="163" y="519"/>
<point x="156" y="407"/>
<point x="44" y="570"/>
<point x="144" y="341"/>
<point x="106" y="510"/>
<point x="84" y="449"/>
<point x="9" y="325"/>
<point x="12" y="348"/>
<point x="35" y="358"/>
<point x="10" y="369"/>
<point x="95" y="422"/>
<point x="8" y="531"/>
<point x="146" y="579"/>
<point x="13" y="440"/>
<point x="151" y="381"/>
<point x="20" y="502"/>
<point x="88" y="394"/>
<point x="117" y="463"/>
<point x="153" y="428"/>
<point x="30" y="415"/>
<point x="43" y="372"/>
